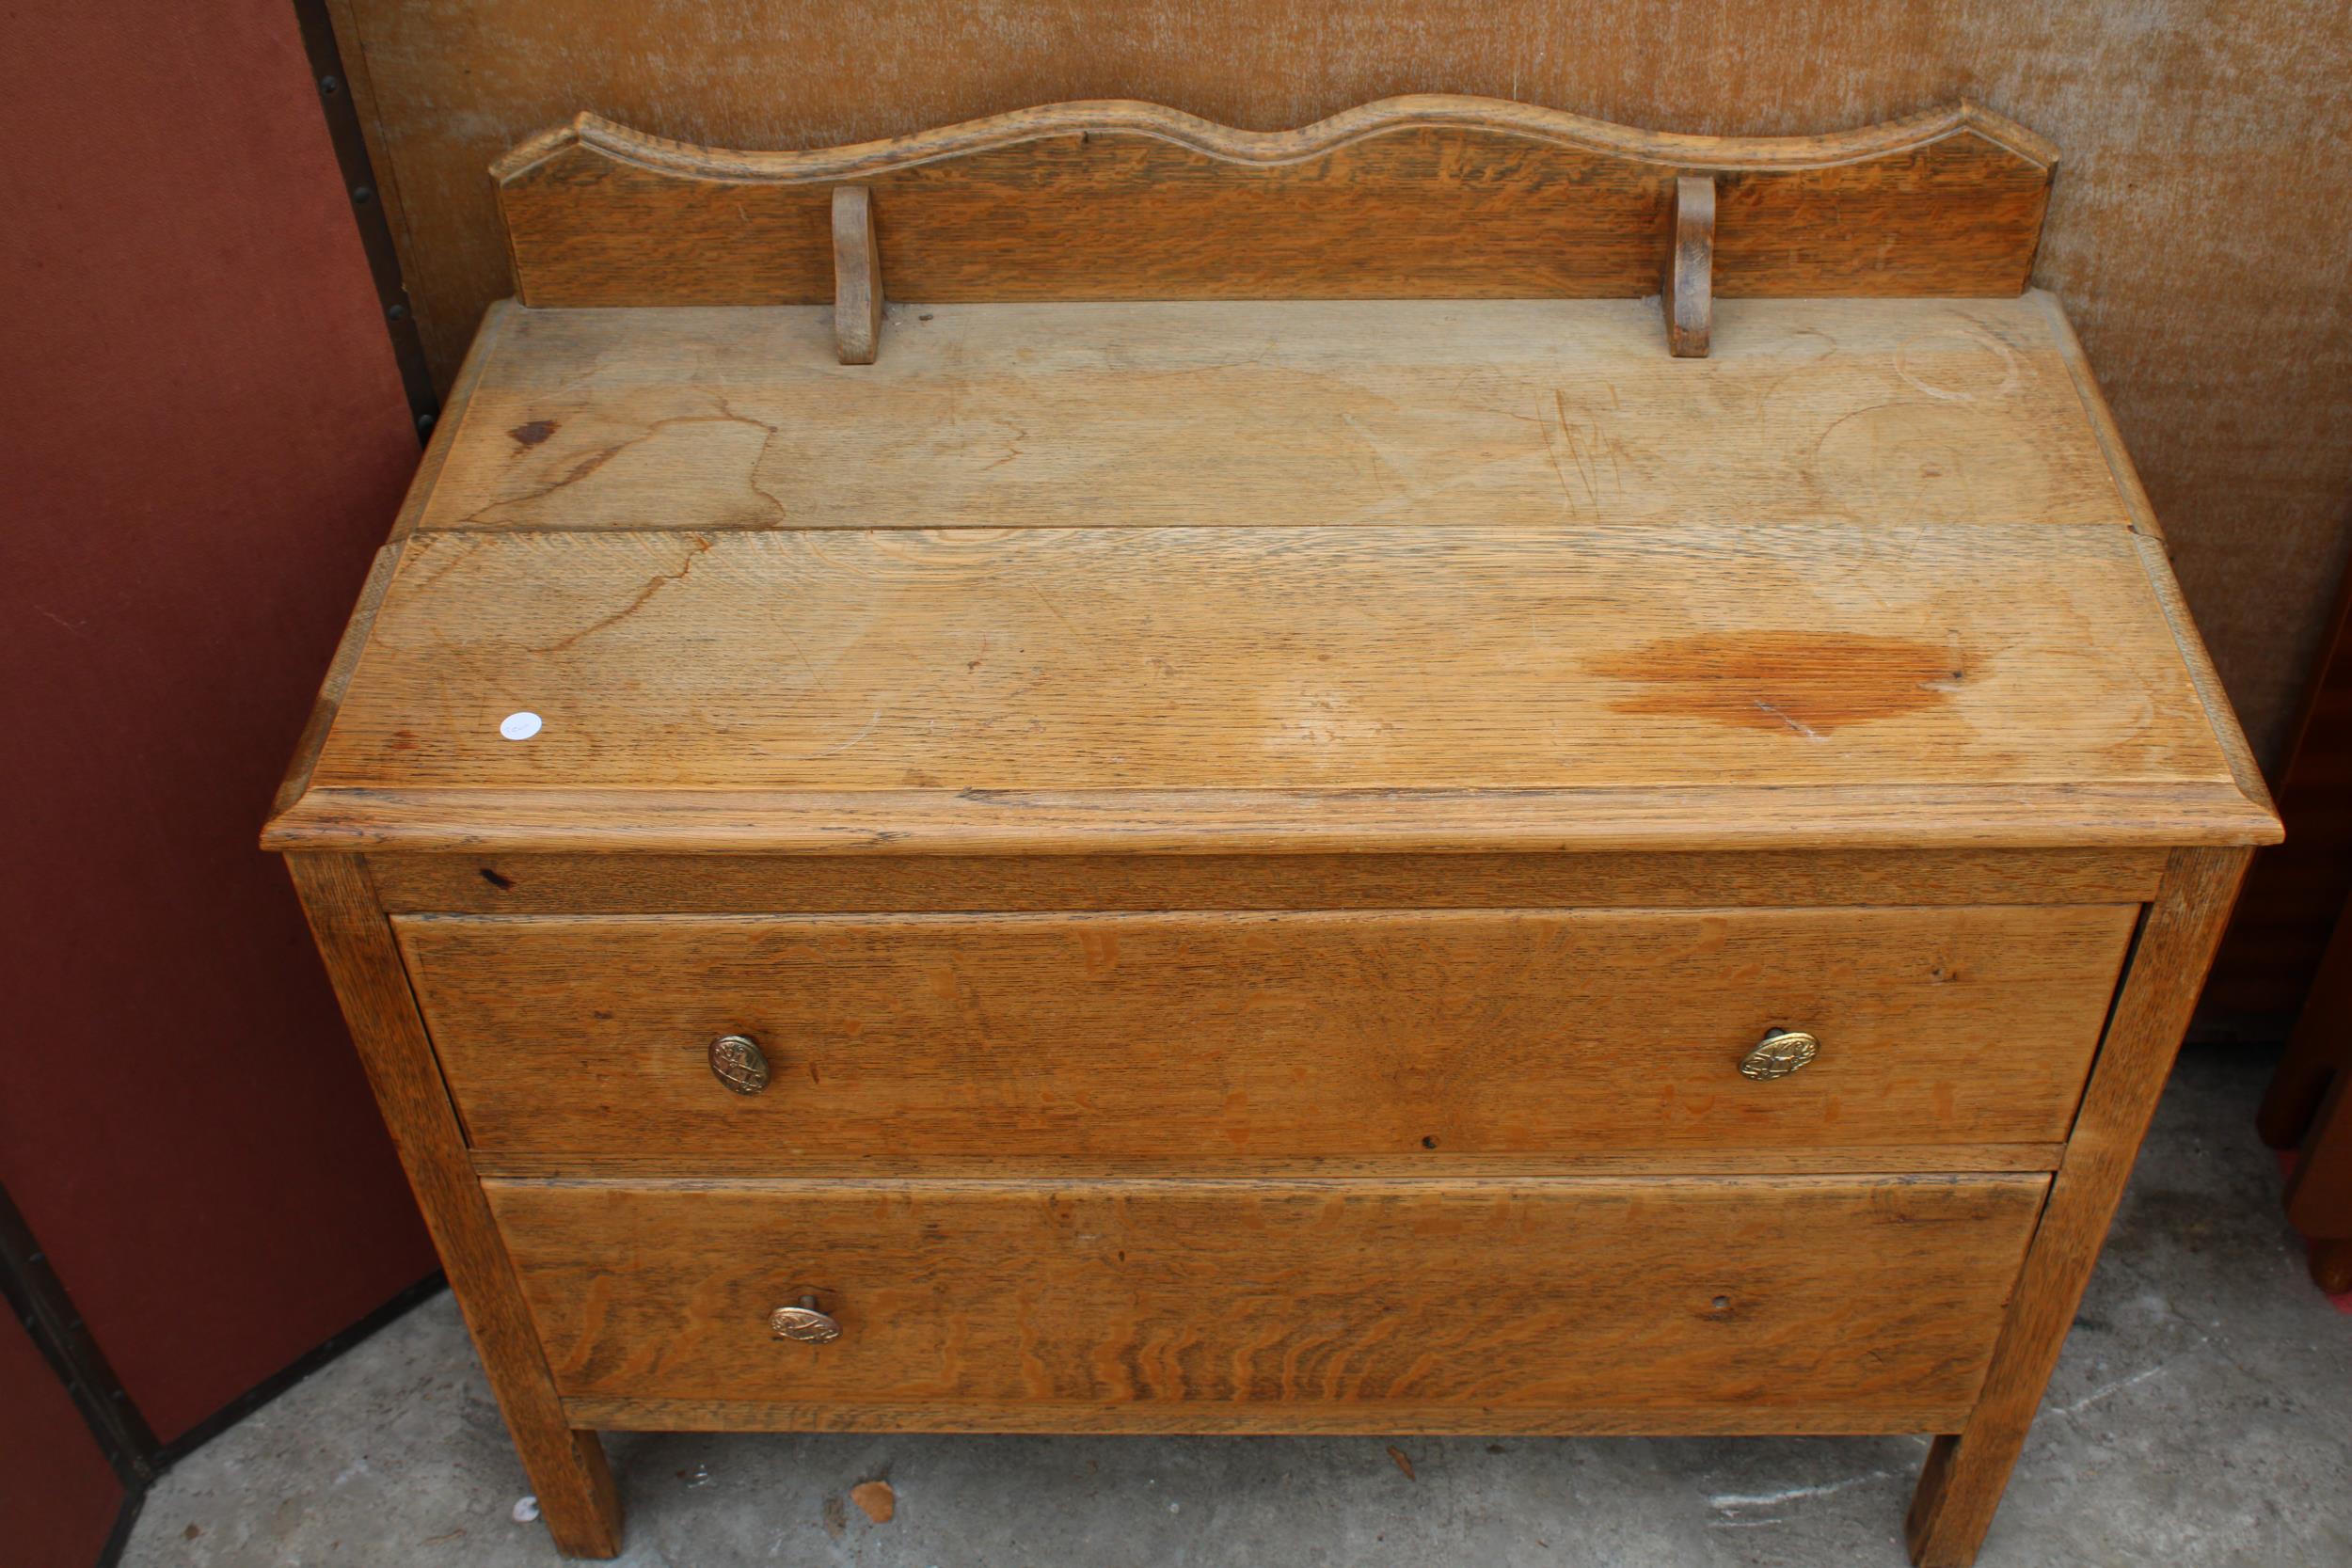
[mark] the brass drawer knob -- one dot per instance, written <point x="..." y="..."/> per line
<point x="803" y="1323"/>
<point x="1780" y="1053"/>
<point x="735" y="1060"/>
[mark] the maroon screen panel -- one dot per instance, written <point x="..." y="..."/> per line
<point x="205" y="440"/>
<point x="59" y="1497"/>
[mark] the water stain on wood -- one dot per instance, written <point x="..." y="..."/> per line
<point x="1798" y="682"/>
<point x="533" y="434"/>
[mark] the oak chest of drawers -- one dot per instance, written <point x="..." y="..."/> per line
<point x="1261" y="813"/>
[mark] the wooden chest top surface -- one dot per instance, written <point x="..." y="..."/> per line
<point x="1277" y="413"/>
<point x="1300" y="575"/>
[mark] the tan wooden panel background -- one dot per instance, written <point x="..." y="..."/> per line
<point x="2200" y="230"/>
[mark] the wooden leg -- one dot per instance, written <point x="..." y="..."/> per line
<point x="2332" y="1265"/>
<point x="567" y="1467"/>
<point x="2317" y="1051"/>
<point x="2319" y="1192"/>
<point x="1966" y="1470"/>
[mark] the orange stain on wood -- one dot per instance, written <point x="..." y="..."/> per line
<point x="1807" y="684"/>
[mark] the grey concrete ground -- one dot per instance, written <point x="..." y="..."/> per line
<point x="2203" y="1414"/>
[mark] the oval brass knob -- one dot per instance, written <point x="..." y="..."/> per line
<point x="803" y="1323"/>
<point x="1780" y="1053"/>
<point x="735" y="1060"/>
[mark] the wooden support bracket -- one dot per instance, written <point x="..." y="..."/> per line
<point x="1688" y="292"/>
<point x="857" y="285"/>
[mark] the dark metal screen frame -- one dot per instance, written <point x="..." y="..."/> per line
<point x="367" y="210"/>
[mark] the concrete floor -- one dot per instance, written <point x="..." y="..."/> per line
<point x="2203" y="1414"/>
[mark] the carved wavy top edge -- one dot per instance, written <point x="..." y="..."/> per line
<point x="1389" y="115"/>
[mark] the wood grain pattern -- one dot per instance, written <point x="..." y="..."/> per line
<point x="1875" y="1160"/>
<point x="1487" y="413"/>
<point x="330" y="696"/>
<point x="2244" y="771"/>
<point x="444" y="439"/>
<point x="2128" y="488"/>
<point x="566" y="1466"/>
<point x="1160" y="1037"/>
<point x="1669" y="819"/>
<point x="1967" y="1468"/>
<point x="1363" y="205"/>
<point x="1356" y="1303"/>
<point x="701" y="884"/>
<point x="857" y="283"/>
<point x="1688" y="290"/>
<point x="456" y="411"/>
<point x="1300" y="688"/>
<point x="626" y="1414"/>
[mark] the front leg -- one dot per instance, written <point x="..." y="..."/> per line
<point x="1966" y="1470"/>
<point x="567" y="1467"/>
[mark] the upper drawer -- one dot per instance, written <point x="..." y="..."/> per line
<point x="1180" y="1035"/>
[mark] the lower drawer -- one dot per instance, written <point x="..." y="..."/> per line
<point x="1799" y="1304"/>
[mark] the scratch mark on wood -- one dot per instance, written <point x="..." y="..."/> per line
<point x="1800" y="728"/>
<point x="837" y="749"/>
